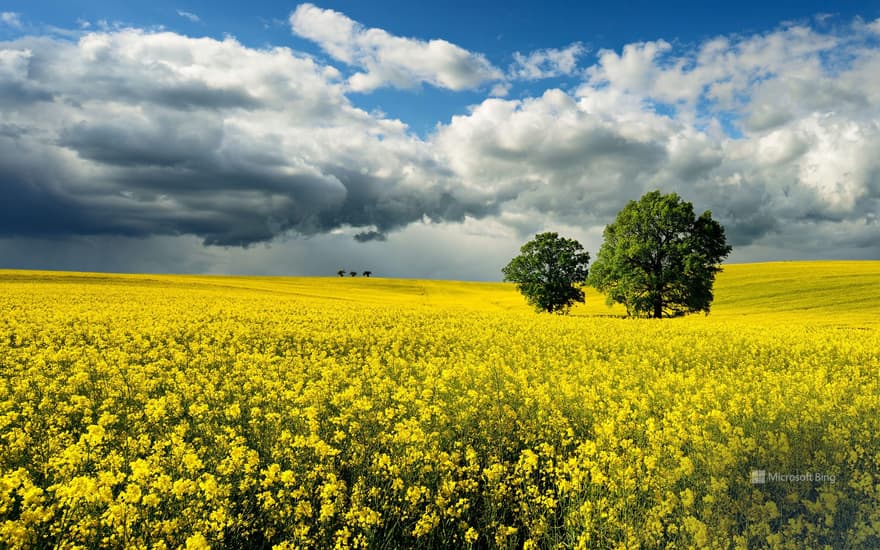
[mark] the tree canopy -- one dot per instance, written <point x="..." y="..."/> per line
<point x="659" y="259"/>
<point x="549" y="272"/>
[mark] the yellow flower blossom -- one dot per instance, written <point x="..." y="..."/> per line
<point x="172" y="411"/>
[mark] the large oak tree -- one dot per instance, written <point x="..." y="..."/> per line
<point x="659" y="259"/>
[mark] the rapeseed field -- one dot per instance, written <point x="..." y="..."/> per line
<point x="148" y="411"/>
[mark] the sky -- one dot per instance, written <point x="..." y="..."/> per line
<point x="426" y="140"/>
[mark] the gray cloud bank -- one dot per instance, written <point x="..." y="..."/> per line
<point x="135" y="134"/>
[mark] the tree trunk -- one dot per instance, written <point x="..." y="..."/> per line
<point x="658" y="282"/>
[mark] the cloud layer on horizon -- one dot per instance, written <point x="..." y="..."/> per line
<point x="130" y="133"/>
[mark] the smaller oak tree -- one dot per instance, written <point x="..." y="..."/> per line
<point x="549" y="272"/>
<point x="659" y="259"/>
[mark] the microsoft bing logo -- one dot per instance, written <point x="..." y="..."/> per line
<point x="761" y="477"/>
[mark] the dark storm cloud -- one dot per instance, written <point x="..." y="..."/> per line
<point x="146" y="197"/>
<point x="156" y="134"/>
<point x="196" y="95"/>
<point x="15" y="94"/>
<point x="30" y="210"/>
<point x="12" y="131"/>
<point x="387" y="205"/>
<point x="134" y="143"/>
<point x="744" y="230"/>
<point x="368" y="236"/>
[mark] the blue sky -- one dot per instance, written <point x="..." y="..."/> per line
<point x="429" y="138"/>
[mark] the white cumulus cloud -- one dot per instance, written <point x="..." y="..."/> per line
<point x="11" y="19"/>
<point x="189" y="15"/>
<point x="388" y="60"/>
<point x="547" y="63"/>
<point x="775" y="133"/>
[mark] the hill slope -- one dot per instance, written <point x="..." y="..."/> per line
<point x="826" y="292"/>
<point x="848" y="288"/>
